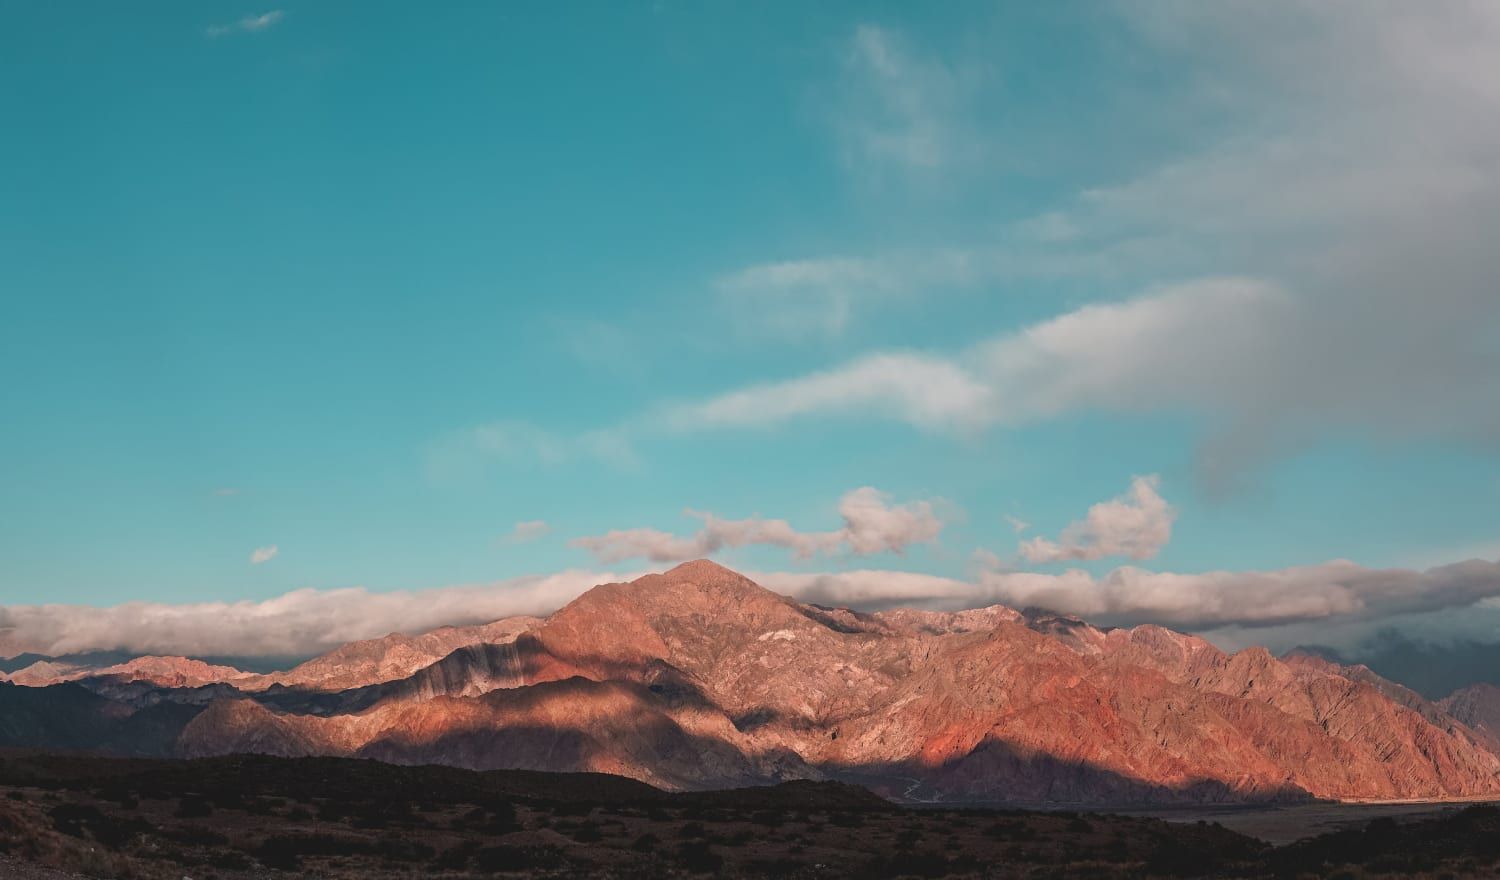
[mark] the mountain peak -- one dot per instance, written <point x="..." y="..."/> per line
<point x="703" y="570"/>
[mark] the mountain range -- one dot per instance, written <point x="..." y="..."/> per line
<point x="698" y="678"/>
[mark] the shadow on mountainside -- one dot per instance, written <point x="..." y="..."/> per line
<point x="632" y="732"/>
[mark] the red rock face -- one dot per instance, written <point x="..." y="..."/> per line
<point x="700" y="678"/>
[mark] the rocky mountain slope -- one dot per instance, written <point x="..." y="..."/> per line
<point x="700" y="678"/>
<point x="170" y="672"/>
<point x="1477" y="706"/>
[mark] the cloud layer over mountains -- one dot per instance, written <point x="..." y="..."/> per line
<point x="309" y="621"/>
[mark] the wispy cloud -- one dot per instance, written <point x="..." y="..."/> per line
<point x="263" y="554"/>
<point x="527" y="531"/>
<point x="872" y="524"/>
<point x="896" y="107"/>
<point x="821" y="296"/>
<point x="930" y="392"/>
<point x="1135" y="525"/>
<point x="468" y="453"/>
<point x="250" y="24"/>
<point x="226" y="492"/>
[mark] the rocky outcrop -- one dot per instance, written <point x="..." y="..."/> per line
<point x="390" y="658"/>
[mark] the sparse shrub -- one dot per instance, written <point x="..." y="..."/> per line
<point x="229" y="860"/>
<point x="70" y="819"/>
<point x="457" y="857"/>
<point x="81" y="820"/>
<point x="777" y="868"/>
<point x="286" y="851"/>
<point x="1181" y="859"/>
<point x="693" y="829"/>
<point x="646" y="843"/>
<point x="260" y="806"/>
<point x="588" y="832"/>
<point x="768" y="818"/>
<point x="195" y="835"/>
<point x="494" y="859"/>
<point x="401" y="850"/>
<point x="698" y="857"/>
<point x="499" y="818"/>
<point x="194" y="807"/>
<point x="121" y="796"/>
<point x="572" y="808"/>
<point x="228" y="799"/>
<point x="1010" y="829"/>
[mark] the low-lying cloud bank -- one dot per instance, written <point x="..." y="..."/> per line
<point x="1337" y="589"/>
<point x="302" y="622"/>
<point x="1245" y="605"/>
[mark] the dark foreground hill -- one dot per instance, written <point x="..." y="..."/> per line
<point x="235" y="818"/>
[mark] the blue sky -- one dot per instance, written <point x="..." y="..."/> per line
<point x="371" y="283"/>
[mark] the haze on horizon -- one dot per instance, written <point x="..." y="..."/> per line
<point x="324" y="320"/>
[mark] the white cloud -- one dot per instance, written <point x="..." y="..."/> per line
<point x="872" y="524"/>
<point x="299" y="623"/>
<point x="928" y="392"/>
<point x="263" y="554"/>
<point x="226" y="492"/>
<point x="1136" y="525"/>
<point x="1161" y="351"/>
<point x="249" y="24"/>
<point x="1017" y="524"/>
<point x="527" y="531"/>
<point x="1332" y="590"/>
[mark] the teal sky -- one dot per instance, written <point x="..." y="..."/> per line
<point x="372" y="283"/>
